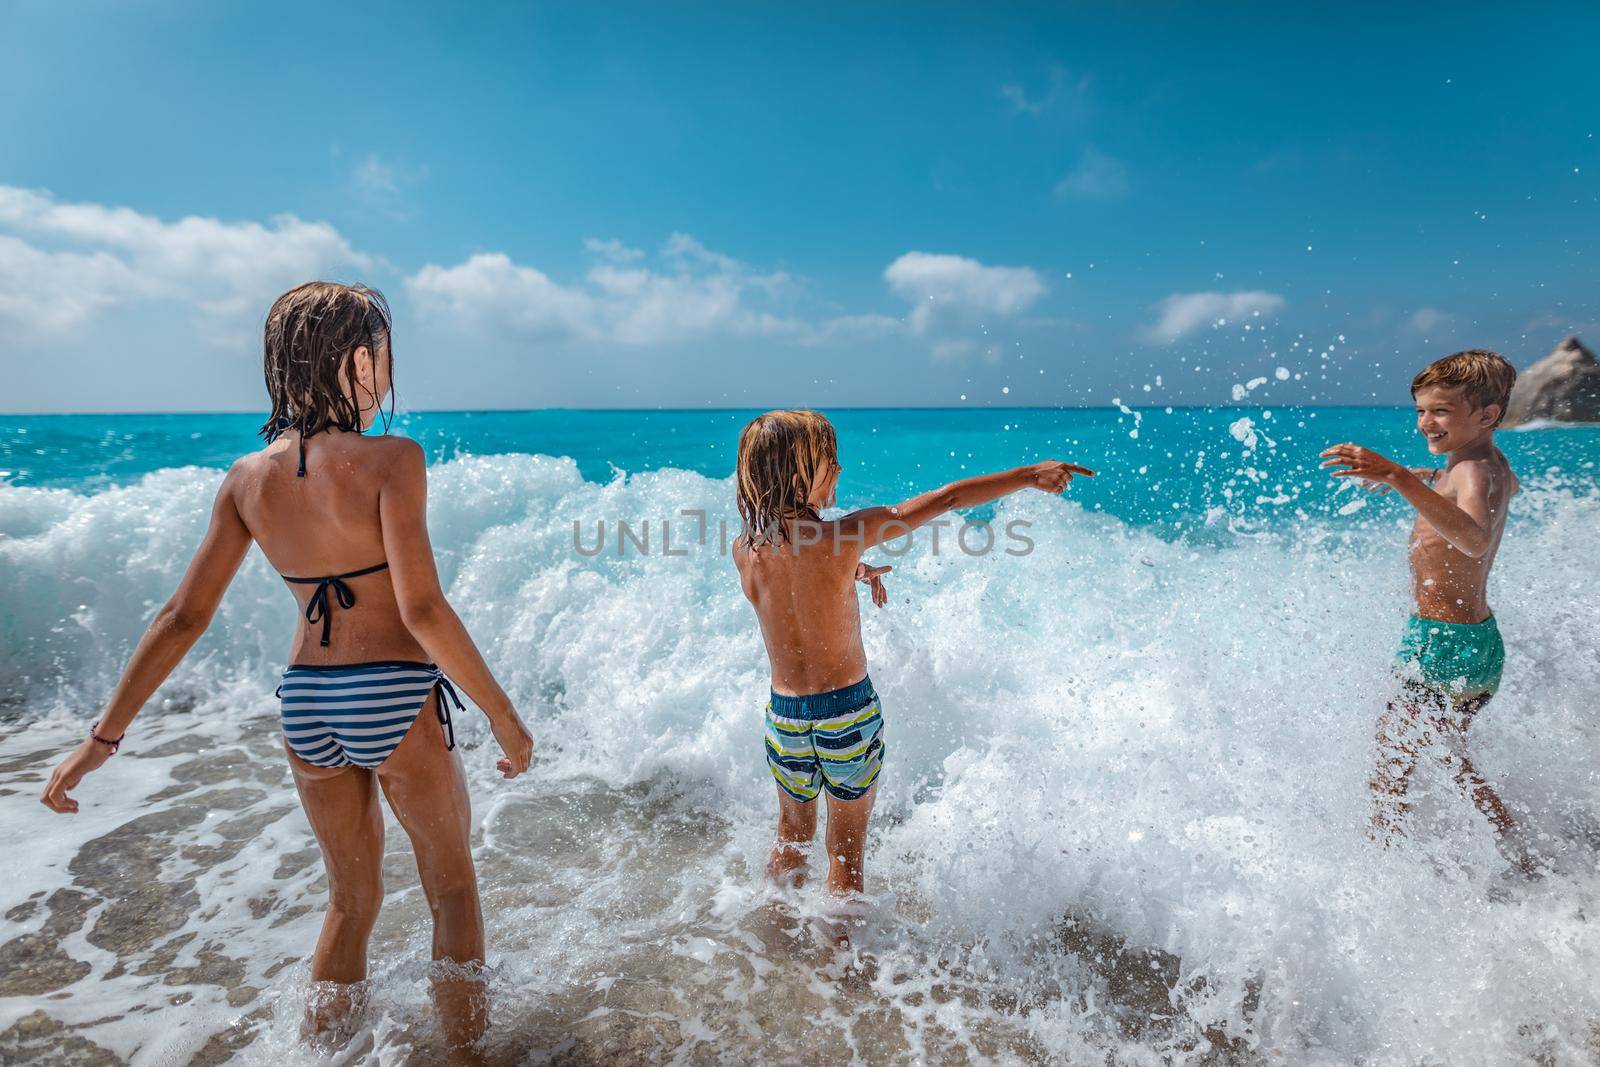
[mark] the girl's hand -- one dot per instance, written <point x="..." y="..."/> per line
<point x="1053" y="476"/>
<point x="873" y="578"/>
<point x="515" y="741"/>
<point x="89" y="755"/>
<point x="1363" y="463"/>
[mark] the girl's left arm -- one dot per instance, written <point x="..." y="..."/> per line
<point x="174" y="630"/>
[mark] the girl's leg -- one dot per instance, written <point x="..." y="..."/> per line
<point x="342" y="806"/>
<point x="797" y="825"/>
<point x="847" y="841"/>
<point x="428" y="794"/>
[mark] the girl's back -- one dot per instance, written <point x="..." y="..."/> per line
<point x="325" y="524"/>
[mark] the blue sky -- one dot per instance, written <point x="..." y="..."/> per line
<point x="755" y="205"/>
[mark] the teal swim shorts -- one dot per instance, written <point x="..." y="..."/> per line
<point x="1456" y="660"/>
<point x="831" y="741"/>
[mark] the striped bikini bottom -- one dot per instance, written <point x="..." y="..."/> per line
<point x="356" y="714"/>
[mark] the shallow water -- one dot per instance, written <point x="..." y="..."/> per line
<point x="1123" y="815"/>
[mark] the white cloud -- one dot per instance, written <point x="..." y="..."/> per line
<point x="946" y="288"/>
<point x="696" y="292"/>
<point x="1063" y="89"/>
<point x="868" y="327"/>
<point x="382" y="185"/>
<point x="490" y="289"/>
<point x="1019" y="99"/>
<point x="1096" y="177"/>
<point x="957" y="351"/>
<point x="612" y="249"/>
<point x="60" y="263"/>
<point x="1183" y="313"/>
<point x="49" y="292"/>
<point x="689" y="291"/>
<point x="953" y="351"/>
<point x="1426" y="320"/>
<point x="686" y="250"/>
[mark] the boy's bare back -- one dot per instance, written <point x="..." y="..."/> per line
<point x="803" y="591"/>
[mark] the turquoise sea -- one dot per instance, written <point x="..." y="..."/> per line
<point x="1123" y="817"/>
<point x="1163" y="467"/>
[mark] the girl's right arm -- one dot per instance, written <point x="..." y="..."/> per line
<point x="174" y="630"/>
<point x="873" y="526"/>
<point x="403" y="510"/>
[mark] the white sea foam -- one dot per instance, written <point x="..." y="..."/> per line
<point x="1124" y="810"/>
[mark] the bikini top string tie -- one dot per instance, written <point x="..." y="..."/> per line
<point x="318" y="609"/>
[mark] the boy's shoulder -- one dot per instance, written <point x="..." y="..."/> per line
<point x="1491" y="472"/>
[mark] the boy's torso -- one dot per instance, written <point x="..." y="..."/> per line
<point x="1448" y="585"/>
<point x="804" y="596"/>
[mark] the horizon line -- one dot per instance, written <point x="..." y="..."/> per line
<point x="721" y="409"/>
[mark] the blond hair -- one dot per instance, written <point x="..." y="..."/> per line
<point x="1484" y="377"/>
<point x="782" y="455"/>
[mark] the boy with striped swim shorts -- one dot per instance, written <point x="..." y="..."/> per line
<point x="1451" y="655"/>
<point x="824" y="725"/>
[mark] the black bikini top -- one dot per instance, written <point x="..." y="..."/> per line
<point x="318" y="609"/>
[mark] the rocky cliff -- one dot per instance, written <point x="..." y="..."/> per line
<point x="1564" y="386"/>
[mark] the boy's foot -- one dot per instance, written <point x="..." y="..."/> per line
<point x="787" y="866"/>
<point x="1524" y="862"/>
<point x="843" y="914"/>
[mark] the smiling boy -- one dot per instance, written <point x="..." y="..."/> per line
<point x="1451" y="656"/>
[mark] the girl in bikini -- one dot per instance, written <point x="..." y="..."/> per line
<point x="365" y="699"/>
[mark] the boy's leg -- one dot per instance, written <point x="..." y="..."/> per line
<point x="1484" y="798"/>
<point x="792" y="758"/>
<point x="797" y="825"/>
<point x="1398" y="729"/>
<point x="428" y="793"/>
<point x="847" y="841"/>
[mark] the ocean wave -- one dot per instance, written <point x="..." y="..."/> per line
<point x="1120" y="737"/>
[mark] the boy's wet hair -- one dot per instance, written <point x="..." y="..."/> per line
<point x="782" y="454"/>
<point x="308" y="355"/>
<point x="1484" y="377"/>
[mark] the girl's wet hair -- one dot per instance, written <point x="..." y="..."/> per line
<point x="311" y="338"/>
<point x="782" y="455"/>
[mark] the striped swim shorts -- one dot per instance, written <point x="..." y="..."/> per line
<point x="831" y="741"/>
<point x="357" y="714"/>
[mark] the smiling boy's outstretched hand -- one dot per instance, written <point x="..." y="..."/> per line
<point x="1053" y="476"/>
<point x="1357" y="462"/>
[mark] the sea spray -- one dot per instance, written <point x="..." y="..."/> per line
<point x="1124" y="809"/>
